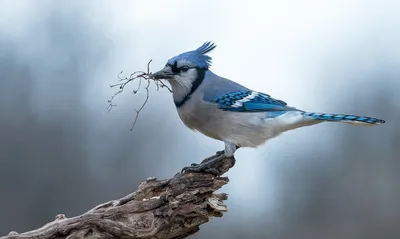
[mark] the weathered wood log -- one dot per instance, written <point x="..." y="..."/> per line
<point x="169" y="208"/>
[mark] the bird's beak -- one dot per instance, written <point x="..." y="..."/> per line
<point x="165" y="73"/>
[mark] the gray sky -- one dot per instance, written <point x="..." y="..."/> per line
<point x="60" y="152"/>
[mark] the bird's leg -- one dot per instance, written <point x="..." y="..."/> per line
<point x="223" y="151"/>
<point x="209" y="165"/>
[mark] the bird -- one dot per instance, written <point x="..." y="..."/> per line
<point x="225" y="110"/>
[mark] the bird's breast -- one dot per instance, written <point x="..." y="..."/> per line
<point x="201" y="116"/>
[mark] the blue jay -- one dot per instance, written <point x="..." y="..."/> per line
<point x="227" y="111"/>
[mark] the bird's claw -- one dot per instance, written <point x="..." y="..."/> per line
<point x="209" y="165"/>
<point x="199" y="168"/>
<point x="218" y="153"/>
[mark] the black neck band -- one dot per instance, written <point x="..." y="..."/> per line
<point x="201" y="72"/>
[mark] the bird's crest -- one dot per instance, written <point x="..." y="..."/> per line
<point x="197" y="57"/>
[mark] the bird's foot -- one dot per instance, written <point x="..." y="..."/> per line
<point x="211" y="164"/>
<point x="199" y="168"/>
<point x="208" y="166"/>
<point x="223" y="151"/>
<point x="220" y="152"/>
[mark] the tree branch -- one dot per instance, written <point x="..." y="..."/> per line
<point x="169" y="208"/>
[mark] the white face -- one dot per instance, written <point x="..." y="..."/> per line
<point x="184" y="72"/>
<point x="186" y="76"/>
<point x="183" y="76"/>
<point x="182" y="84"/>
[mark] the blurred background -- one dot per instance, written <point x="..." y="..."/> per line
<point x="61" y="152"/>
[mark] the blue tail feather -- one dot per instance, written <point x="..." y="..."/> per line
<point x="344" y="118"/>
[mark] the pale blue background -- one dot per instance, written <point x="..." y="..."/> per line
<point x="60" y="152"/>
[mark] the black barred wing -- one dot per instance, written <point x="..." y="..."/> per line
<point x="250" y="101"/>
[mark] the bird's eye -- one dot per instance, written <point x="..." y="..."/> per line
<point x="184" y="68"/>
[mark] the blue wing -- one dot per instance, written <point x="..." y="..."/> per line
<point x="250" y="101"/>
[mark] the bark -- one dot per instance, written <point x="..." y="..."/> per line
<point x="169" y="208"/>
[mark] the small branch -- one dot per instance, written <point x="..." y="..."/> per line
<point x="144" y="103"/>
<point x="140" y="76"/>
<point x="170" y="208"/>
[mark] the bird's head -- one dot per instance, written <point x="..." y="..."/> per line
<point x="184" y="71"/>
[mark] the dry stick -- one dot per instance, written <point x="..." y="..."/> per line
<point x="144" y="103"/>
<point x="169" y="209"/>
<point x="137" y="75"/>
